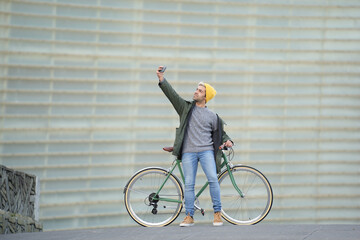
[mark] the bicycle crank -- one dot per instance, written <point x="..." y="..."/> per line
<point x="200" y="209"/>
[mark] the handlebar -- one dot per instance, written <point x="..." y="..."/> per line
<point x="223" y="147"/>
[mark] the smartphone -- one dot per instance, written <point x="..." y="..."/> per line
<point x="163" y="69"/>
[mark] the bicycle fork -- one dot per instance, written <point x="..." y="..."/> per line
<point x="229" y="167"/>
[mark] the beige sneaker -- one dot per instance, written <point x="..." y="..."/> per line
<point x="188" y="221"/>
<point x="217" y="219"/>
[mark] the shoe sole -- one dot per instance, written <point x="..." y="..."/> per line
<point x="186" y="224"/>
<point x="217" y="224"/>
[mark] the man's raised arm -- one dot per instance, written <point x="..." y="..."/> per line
<point x="178" y="102"/>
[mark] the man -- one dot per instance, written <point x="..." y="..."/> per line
<point x="198" y="139"/>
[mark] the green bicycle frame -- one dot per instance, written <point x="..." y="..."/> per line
<point x="177" y="164"/>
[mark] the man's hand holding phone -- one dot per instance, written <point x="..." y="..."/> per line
<point x="160" y="73"/>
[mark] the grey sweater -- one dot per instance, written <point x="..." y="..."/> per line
<point x="198" y="137"/>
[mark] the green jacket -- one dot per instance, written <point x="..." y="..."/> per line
<point x="184" y="109"/>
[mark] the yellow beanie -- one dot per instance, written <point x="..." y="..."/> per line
<point x="210" y="92"/>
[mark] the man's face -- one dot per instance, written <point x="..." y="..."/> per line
<point x="199" y="94"/>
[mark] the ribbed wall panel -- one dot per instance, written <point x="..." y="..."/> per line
<point x="81" y="109"/>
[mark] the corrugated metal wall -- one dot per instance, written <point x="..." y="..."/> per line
<point x="81" y="109"/>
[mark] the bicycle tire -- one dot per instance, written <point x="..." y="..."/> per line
<point x="144" y="185"/>
<point x="258" y="196"/>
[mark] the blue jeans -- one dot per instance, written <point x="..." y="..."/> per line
<point x="190" y="165"/>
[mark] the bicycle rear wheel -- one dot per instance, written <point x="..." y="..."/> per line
<point x="144" y="206"/>
<point x="256" y="202"/>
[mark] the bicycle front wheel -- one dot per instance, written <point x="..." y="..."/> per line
<point x="148" y="208"/>
<point x="256" y="202"/>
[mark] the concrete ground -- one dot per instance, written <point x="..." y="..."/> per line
<point x="202" y="232"/>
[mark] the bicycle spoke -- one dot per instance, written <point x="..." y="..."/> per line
<point x="137" y="191"/>
<point x="257" y="200"/>
<point x="149" y="207"/>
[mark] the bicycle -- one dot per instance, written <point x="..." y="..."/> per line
<point x="154" y="196"/>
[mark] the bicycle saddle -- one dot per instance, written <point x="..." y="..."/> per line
<point x="168" y="149"/>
